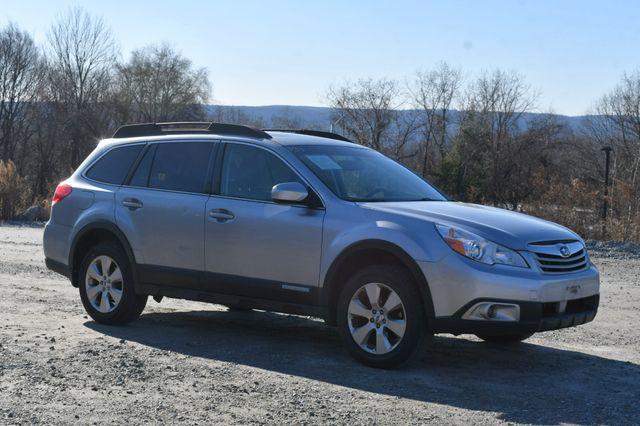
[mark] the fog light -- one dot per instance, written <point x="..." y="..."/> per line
<point x="487" y="311"/>
<point x="493" y="311"/>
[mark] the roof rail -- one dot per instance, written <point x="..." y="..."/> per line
<point x="159" y="129"/>
<point x="319" y="133"/>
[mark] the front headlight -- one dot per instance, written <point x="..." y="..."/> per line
<point x="479" y="249"/>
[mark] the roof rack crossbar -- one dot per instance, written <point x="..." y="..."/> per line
<point x="319" y="133"/>
<point x="159" y="129"/>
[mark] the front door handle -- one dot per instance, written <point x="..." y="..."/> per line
<point x="221" y="215"/>
<point x="132" y="203"/>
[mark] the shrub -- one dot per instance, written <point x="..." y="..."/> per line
<point x="13" y="191"/>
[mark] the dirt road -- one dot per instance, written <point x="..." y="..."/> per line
<point x="197" y="363"/>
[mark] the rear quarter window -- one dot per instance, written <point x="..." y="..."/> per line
<point x="114" y="165"/>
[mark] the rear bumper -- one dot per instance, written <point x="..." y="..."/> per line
<point x="534" y="317"/>
<point x="56" y="242"/>
<point x="58" y="267"/>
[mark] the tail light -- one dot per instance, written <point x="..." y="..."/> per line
<point x="62" y="191"/>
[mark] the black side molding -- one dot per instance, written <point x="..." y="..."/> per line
<point x="253" y="293"/>
<point x="159" y="291"/>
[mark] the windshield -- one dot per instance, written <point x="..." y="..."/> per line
<point x="359" y="174"/>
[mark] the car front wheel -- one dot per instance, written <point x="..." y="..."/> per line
<point x="380" y="316"/>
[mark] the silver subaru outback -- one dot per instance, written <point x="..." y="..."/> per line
<point x="306" y="222"/>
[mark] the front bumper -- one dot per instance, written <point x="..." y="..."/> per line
<point x="457" y="283"/>
<point x="534" y="317"/>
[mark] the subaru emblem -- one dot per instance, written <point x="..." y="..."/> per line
<point x="565" y="251"/>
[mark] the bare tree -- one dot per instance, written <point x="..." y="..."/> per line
<point x="47" y="159"/>
<point x="366" y="110"/>
<point x="402" y="135"/>
<point x="19" y="77"/>
<point x="159" y="84"/>
<point x="81" y="57"/>
<point x="433" y="92"/>
<point x="536" y="153"/>
<point x="501" y="98"/>
<point x="496" y="102"/>
<point x="616" y="123"/>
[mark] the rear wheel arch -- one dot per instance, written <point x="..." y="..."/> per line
<point x="91" y="235"/>
<point x="360" y="255"/>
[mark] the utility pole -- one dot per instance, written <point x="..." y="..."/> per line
<point x="605" y="205"/>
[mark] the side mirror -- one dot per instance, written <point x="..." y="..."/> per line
<point x="289" y="192"/>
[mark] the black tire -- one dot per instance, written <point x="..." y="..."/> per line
<point x="238" y="308"/>
<point x="401" y="282"/>
<point x="130" y="305"/>
<point x="505" y="339"/>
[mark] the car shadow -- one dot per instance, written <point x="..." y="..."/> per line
<point x="524" y="383"/>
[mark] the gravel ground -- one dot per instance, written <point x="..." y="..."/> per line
<point x="196" y="363"/>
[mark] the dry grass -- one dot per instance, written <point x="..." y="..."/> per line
<point x="14" y="191"/>
<point x="579" y="207"/>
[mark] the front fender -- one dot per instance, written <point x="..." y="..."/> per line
<point x="423" y="245"/>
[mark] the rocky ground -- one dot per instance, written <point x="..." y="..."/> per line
<point x="199" y="364"/>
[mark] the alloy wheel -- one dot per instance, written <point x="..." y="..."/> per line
<point x="103" y="284"/>
<point x="376" y="318"/>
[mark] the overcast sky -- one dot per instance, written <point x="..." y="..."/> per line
<point x="290" y="52"/>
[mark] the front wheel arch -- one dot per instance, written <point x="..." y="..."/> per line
<point x="365" y="253"/>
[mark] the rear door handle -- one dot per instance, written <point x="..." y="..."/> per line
<point x="221" y="215"/>
<point x="132" y="203"/>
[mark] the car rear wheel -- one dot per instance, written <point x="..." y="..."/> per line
<point x="106" y="286"/>
<point x="380" y="316"/>
<point x="505" y="338"/>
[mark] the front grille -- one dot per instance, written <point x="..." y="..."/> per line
<point x="551" y="261"/>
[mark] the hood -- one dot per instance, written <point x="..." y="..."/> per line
<point x="511" y="229"/>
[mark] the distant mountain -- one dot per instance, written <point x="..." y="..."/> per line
<point x="270" y="116"/>
<point x="277" y="116"/>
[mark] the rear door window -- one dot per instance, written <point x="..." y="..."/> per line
<point x="141" y="175"/>
<point x="114" y="166"/>
<point x="181" y="166"/>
